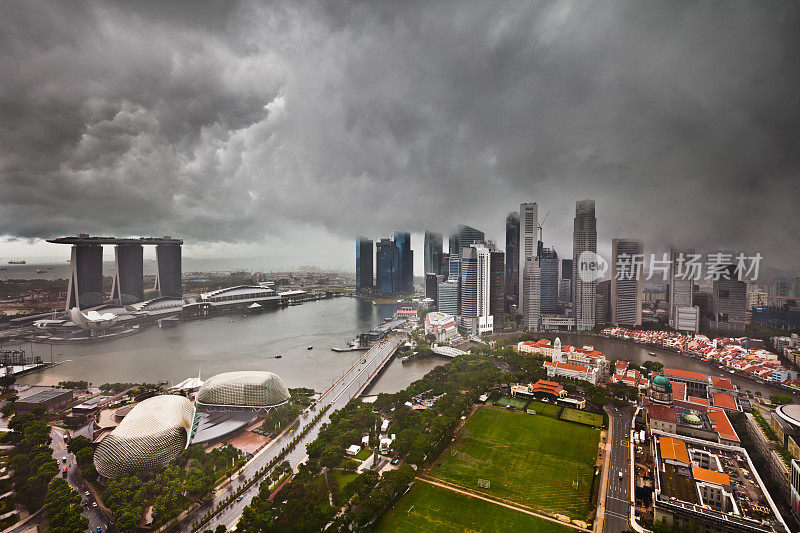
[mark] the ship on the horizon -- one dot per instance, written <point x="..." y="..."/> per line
<point x="17" y="262"/>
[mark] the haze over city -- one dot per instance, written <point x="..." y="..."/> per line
<point x="281" y="130"/>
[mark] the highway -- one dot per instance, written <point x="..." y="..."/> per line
<point x="617" y="496"/>
<point x="347" y="387"/>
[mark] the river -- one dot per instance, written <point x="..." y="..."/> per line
<point x="232" y="343"/>
<point x="617" y="349"/>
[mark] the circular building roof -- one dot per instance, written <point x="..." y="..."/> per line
<point x="789" y="413"/>
<point x="692" y="419"/>
<point x="662" y="382"/>
<point x="253" y="389"/>
<point x="151" y="436"/>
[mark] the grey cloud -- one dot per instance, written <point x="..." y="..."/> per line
<point x="234" y="122"/>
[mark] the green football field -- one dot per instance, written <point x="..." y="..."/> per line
<point x="434" y="509"/>
<point x="582" y="417"/>
<point x="534" y="460"/>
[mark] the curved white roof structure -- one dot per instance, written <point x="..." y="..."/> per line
<point x="151" y="436"/>
<point x="93" y="321"/>
<point x="244" y="389"/>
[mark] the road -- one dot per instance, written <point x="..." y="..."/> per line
<point x="617" y="495"/>
<point x="347" y="387"/>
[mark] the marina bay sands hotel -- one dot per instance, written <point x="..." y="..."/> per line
<point x="86" y="270"/>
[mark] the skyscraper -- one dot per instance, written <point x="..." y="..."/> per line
<point x="402" y="240"/>
<point x="448" y="297"/>
<point x="530" y="296"/>
<point x="681" y="285"/>
<point x="433" y="253"/>
<point x="549" y="266"/>
<point x="169" y="279"/>
<point x="566" y="275"/>
<point x="584" y="239"/>
<point x="602" y="304"/>
<point x="512" y="261"/>
<point x="626" y="282"/>
<point x="497" y="285"/>
<point x="432" y="287"/>
<point x="128" y="284"/>
<point x="476" y="289"/>
<point x="364" y="255"/>
<point x="387" y="272"/>
<point x="729" y="304"/>
<point x="528" y="241"/>
<point x="463" y="238"/>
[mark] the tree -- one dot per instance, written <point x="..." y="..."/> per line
<point x="64" y="509"/>
<point x="780" y="399"/>
<point x="76" y="444"/>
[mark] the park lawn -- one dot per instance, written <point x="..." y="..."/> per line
<point x="546" y="409"/>
<point x="436" y="510"/>
<point x="363" y="454"/>
<point x="342" y="478"/>
<point x="582" y="417"/>
<point x="510" y="401"/>
<point x="534" y="460"/>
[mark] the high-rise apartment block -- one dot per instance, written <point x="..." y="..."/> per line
<point x="584" y="239"/>
<point x="626" y="282"/>
<point x="364" y="258"/>
<point x="512" y="261"/>
<point x="528" y="243"/>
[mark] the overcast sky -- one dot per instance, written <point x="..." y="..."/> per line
<point x="283" y="129"/>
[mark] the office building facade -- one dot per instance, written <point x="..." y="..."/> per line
<point x="364" y="258"/>
<point x="602" y="303"/>
<point x="512" y="261"/>
<point x="584" y="239"/>
<point x="566" y="274"/>
<point x="433" y="253"/>
<point x="497" y="297"/>
<point x="387" y="272"/>
<point x="402" y="240"/>
<point x="548" y="264"/>
<point x="476" y="289"/>
<point x="530" y="297"/>
<point x="528" y="241"/>
<point x="86" y="277"/>
<point x="729" y="304"/>
<point x="448" y="297"/>
<point x="680" y="285"/>
<point x="128" y="284"/>
<point x="168" y="281"/>
<point x="432" y="287"/>
<point x="626" y="282"/>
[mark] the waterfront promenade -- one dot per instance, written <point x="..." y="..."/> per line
<point x="348" y="386"/>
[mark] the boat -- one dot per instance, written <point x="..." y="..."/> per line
<point x="168" y="322"/>
<point x="17" y="262"/>
<point x="41" y="270"/>
<point x="310" y="347"/>
<point x="652" y="354"/>
<point x="278" y="356"/>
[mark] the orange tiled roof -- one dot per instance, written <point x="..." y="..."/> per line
<point x="724" y="400"/>
<point x="678" y="390"/>
<point x="674" y="449"/>
<point x="702" y="474"/>
<point x="685" y="374"/>
<point x="567" y="366"/>
<point x="721" y="383"/>
<point x="698" y="401"/>
<point x="721" y="423"/>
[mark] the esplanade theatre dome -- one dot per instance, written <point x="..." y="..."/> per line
<point x="244" y="389"/>
<point x="151" y="436"/>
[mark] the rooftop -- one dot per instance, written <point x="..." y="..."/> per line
<point x="674" y="449"/>
<point x="46" y="395"/>
<point x="86" y="239"/>
<point x="685" y="374"/>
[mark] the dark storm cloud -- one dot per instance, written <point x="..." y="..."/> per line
<point x="230" y="122"/>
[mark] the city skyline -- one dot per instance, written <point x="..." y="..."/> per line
<point x="696" y="146"/>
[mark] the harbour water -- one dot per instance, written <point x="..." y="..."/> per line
<point x="236" y="343"/>
<point x="251" y="343"/>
